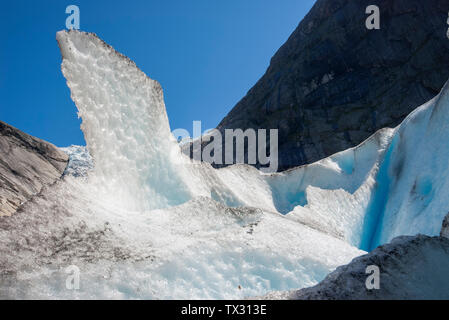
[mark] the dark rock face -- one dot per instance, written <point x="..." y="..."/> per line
<point x="334" y="82"/>
<point x="26" y="165"/>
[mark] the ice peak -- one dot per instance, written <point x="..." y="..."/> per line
<point x="124" y="122"/>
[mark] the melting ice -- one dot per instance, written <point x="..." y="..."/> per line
<point x="142" y="220"/>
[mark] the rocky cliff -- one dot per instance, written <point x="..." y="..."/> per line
<point x="334" y="82"/>
<point x="26" y="165"/>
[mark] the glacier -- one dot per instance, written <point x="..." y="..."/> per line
<point x="142" y="220"/>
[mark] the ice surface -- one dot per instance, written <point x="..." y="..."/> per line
<point x="361" y="195"/>
<point x="146" y="221"/>
<point x="142" y="220"/>
<point x="417" y="174"/>
<point x="80" y="161"/>
<point x="123" y="120"/>
<point x="201" y="249"/>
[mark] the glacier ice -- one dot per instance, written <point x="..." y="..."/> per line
<point x="415" y="176"/>
<point x="111" y="92"/>
<point x="80" y="161"/>
<point x="142" y="220"/>
<point x="200" y="249"/>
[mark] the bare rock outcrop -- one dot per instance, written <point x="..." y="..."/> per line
<point x="26" y="165"/>
<point x="334" y="82"/>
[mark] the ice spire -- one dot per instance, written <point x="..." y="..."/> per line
<point x="124" y="122"/>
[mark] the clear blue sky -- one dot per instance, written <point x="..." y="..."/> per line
<point x="205" y="53"/>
